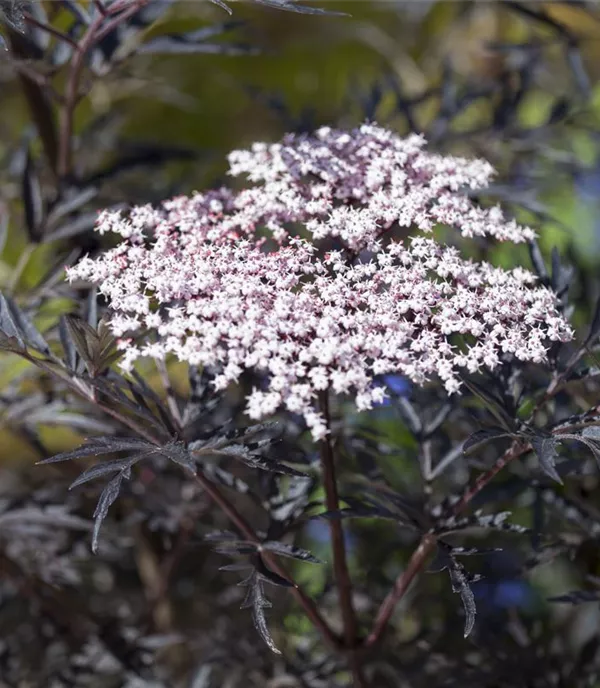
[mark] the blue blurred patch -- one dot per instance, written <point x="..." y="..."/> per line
<point x="396" y="386"/>
<point x="503" y="594"/>
<point x="318" y="530"/>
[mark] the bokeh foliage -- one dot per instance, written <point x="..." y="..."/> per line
<point x="517" y="83"/>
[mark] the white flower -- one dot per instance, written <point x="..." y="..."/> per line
<point x="217" y="294"/>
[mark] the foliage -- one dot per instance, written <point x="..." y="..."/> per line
<point x="159" y="508"/>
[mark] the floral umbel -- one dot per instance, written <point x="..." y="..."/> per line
<point x="302" y="276"/>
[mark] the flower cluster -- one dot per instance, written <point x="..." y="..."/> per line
<point x="201" y="273"/>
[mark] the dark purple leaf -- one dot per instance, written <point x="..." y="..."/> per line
<point x="8" y="325"/>
<point x="481" y="436"/>
<point x="97" y="446"/>
<point x="108" y="496"/>
<point x="577" y="597"/>
<point x="289" y="6"/>
<point x="285" y="550"/>
<point x="545" y="449"/>
<point x="256" y="601"/>
<point x="32" y="199"/>
<point x="67" y="343"/>
<point x="28" y="331"/>
<point x="101" y="469"/>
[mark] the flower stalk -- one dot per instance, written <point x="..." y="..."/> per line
<point x="338" y="546"/>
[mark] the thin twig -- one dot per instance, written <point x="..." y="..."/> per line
<point x="171" y="398"/>
<point x="416" y="563"/>
<point x="100" y="7"/>
<point x="32" y="21"/>
<point x="67" y="114"/>
<point x="246" y="529"/>
<point x="96" y="31"/>
<point x="428" y="543"/>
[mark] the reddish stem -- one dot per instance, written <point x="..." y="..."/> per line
<point x="416" y="563"/>
<point x="340" y="565"/>
<point x="96" y="31"/>
<point x="240" y="523"/>
<point x="428" y="543"/>
<point x="246" y="529"/>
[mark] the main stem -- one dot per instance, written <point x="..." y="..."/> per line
<point x="240" y="523"/>
<point x="338" y="545"/>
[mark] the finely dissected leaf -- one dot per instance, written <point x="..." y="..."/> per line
<point x="256" y="601"/>
<point x="92" y="311"/>
<point x="95" y="446"/>
<point x="221" y="536"/>
<point x="360" y="511"/>
<point x="271" y="577"/>
<point x="71" y="200"/>
<point x="403" y="511"/>
<point x="11" y="12"/>
<point x="545" y="449"/>
<point x="292" y="6"/>
<point x="251" y="456"/>
<point x="590" y="436"/>
<point x="50" y="516"/>
<point x="101" y="469"/>
<point x="67" y="343"/>
<point x="8" y="325"/>
<point x="460" y="580"/>
<point x="27" y="329"/>
<point x="292" y="551"/>
<point x="112" y="389"/>
<point x="112" y="386"/>
<point x="410" y="511"/>
<point x="57" y="413"/>
<point x="179" y="454"/>
<point x="202" y="399"/>
<point x="460" y="584"/>
<point x="82" y="336"/>
<point x="187" y="42"/>
<point x="236" y="547"/>
<point x="479" y="520"/>
<point x="561" y="274"/>
<point x="240" y="566"/>
<point x="97" y="347"/>
<point x="230" y="544"/>
<point x="226" y="478"/>
<point x="143" y="395"/>
<point x="481" y="436"/>
<point x="222" y="5"/>
<point x="287" y="506"/>
<point x="577" y="597"/>
<point x="237" y="436"/>
<point x="108" y="496"/>
<point x="473" y="551"/>
<point x="537" y="259"/>
<point x="592" y="432"/>
<point x="32" y="198"/>
<point x="492" y="404"/>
